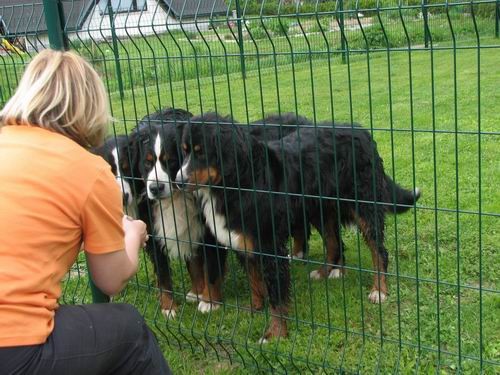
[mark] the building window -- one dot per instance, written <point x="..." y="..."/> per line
<point x="122" y="6"/>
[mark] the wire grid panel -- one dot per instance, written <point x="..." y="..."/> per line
<point x="421" y="78"/>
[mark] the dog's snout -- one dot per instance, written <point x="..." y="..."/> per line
<point x="180" y="180"/>
<point x="179" y="184"/>
<point x="157" y="189"/>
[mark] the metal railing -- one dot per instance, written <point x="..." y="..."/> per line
<point x="420" y="76"/>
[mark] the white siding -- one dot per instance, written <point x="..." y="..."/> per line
<point x="152" y="20"/>
<point x="134" y="24"/>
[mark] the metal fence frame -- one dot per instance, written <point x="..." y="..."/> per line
<point x="272" y="358"/>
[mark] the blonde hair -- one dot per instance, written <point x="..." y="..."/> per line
<point x="60" y="91"/>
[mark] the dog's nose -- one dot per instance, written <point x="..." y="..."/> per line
<point x="157" y="189"/>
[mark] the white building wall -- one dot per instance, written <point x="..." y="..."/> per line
<point x="134" y="24"/>
<point x="150" y="21"/>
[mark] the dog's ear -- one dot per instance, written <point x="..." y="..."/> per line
<point x="141" y="140"/>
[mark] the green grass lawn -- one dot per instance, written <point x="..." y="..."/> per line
<point x="435" y="118"/>
<point x="426" y="122"/>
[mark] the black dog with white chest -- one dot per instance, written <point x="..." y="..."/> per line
<point x="250" y="188"/>
<point x="178" y="227"/>
<point x="227" y="168"/>
<point x="144" y="163"/>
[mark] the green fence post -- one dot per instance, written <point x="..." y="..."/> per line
<point x="425" y="16"/>
<point x="97" y="295"/>
<point x="497" y="18"/>
<point x="240" y="39"/>
<point x="342" y="39"/>
<point x="115" y="48"/>
<point x="54" y="19"/>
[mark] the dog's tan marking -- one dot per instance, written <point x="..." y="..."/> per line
<point x="204" y="176"/>
<point x="257" y="286"/>
<point x="211" y="296"/>
<point x="277" y="326"/>
<point x="196" y="273"/>
<point x="299" y="241"/>
<point x="245" y="243"/>
<point x="332" y="252"/>
<point x="379" y="290"/>
<point x="167" y="304"/>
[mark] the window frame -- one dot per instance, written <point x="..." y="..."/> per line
<point x="134" y="8"/>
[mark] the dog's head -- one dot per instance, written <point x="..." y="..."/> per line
<point x="117" y="152"/>
<point x="210" y="144"/>
<point x="160" y="157"/>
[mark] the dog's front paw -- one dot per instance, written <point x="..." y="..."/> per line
<point x="377" y="296"/>
<point x="169" y="313"/>
<point x="205" y="307"/>
<point x="316" y="275"/>
<point x="193" y="297"/>
<point x="336" y="273"/>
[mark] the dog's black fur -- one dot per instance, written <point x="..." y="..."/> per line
<point x="277" y="126"/>
<point x="338" y="162"/>
<point x="219" y="156"/>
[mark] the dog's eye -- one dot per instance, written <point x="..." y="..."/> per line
<point x="197" y="149"/>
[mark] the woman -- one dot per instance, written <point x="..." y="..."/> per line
<point x="54" y="196"/>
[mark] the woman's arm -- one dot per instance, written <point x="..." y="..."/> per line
<point x="111" y="271"/>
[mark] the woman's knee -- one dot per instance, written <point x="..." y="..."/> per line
<point x="132" y="323"/>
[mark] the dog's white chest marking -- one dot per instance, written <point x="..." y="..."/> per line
<point x="215" y="221"/>
<point x="178" y="225"/>
<point x="124" y="186"/>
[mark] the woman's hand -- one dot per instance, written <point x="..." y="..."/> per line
<point x="135" y="228"/>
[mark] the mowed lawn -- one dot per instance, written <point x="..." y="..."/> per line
<point x="425" y="110"/>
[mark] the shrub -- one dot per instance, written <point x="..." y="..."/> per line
<point x="277" y="26"/>
<point x="256" y="30"/>
<point x="324" y="24"/>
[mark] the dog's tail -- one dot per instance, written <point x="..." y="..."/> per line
<point x="400" y="200"/>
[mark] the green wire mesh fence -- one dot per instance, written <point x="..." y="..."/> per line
<point x="421" y="77"/>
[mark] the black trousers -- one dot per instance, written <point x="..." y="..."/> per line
<point x="94" y="339"/>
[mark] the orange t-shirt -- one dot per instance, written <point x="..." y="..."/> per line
<point x="54" y="195"/>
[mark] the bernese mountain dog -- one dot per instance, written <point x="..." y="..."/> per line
<point x="179" y="229"/>
<point x="117" y="150"/>
<point x="277" y="126"/>
<point x="250" y="187"/>
<point x="144" y="162"/>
